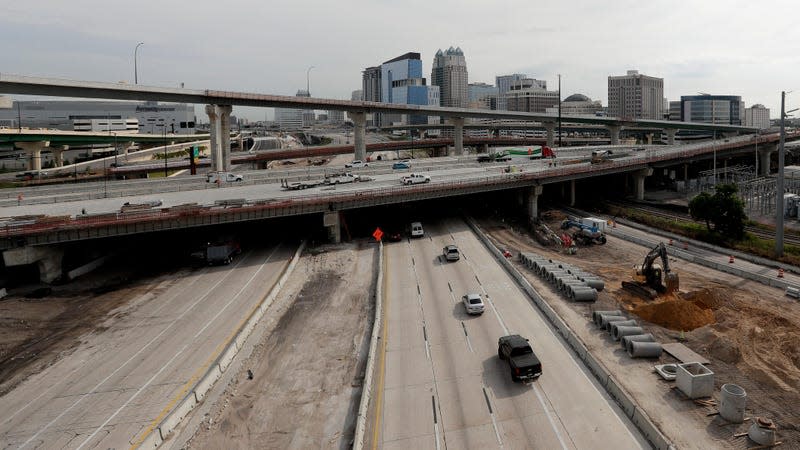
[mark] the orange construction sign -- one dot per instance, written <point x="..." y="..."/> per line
<point x="377" y="234"/>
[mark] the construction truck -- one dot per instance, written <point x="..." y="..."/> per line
<point x="601" y="156"/>
<point x="587" y="231"/>
<point x="650" y="279"/>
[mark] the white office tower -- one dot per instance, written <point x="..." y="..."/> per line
<point x="450" y="74"/>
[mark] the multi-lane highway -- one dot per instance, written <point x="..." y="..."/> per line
<point x="115" y="387"/>
<point x="441" y="384"/>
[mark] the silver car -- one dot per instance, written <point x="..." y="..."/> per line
<point x="451" y="253"/>
<point x="473" y="303"/>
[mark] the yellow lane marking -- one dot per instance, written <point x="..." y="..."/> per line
<point x="196" y="375"/>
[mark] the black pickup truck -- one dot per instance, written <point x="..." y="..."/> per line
<point x="524" y="364"/>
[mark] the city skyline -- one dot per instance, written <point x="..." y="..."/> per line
<point x="750" y="53"/>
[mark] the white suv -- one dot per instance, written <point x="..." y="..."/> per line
<point x="223" y="177"/>
<point x="415" y="178"/>
<point x="356" y="164"/>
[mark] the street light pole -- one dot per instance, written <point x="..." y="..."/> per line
<point x="559" y="110"/>
<point x="135" y="63"/>
<point x="779" y="182"/>
<point x="165" y="151"/>
<point x="308" y="82"/>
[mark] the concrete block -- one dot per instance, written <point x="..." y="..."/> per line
<point x="618" y="394"/>
<point x="596" y="367"/>
<point x="153" y="440"/>
<point x="207" y="382"/>
<point x="174" y="418"/>
<point x="695" y="380"/>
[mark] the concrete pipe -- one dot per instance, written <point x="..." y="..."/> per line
<point x="619" y="332"/>
<point x="553" y="275"/>
<point x="636" y="337"/>
<point x="644" y="349"/>
<point x="583" y="295"/>
<point x="596" y="315"/>
<point x="567" y="285"/>
<point x="545" y="268"/>
<point x="605" y="318"/>
<point x="733" y="402"/>
<point x="612" y="326"/>
<point x="595" y="283"/>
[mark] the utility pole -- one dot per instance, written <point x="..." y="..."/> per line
<point x="559" y="110"/>
<point x="779" y="183"/>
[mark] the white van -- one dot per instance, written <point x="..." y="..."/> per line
<point x="416" y="229"/>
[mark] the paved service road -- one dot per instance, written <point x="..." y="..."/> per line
<point x="444" y="386"/>
<point x="117" y="384"/>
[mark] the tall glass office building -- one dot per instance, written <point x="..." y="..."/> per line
<point x="402" y="82"/>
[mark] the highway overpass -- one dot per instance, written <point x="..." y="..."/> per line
<point x="37" y="224"/>
<point x="219" y="106"/>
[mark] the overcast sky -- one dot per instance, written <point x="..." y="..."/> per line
<point x="745" y="48"/>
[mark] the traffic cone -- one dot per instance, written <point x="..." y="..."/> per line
<point x="730" y="260"/>
<point x="780" y="273"/>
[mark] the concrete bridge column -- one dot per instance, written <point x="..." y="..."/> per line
<point x="331" y="221"/>
<point x="126" y="147"/>
<point x="551" y="133"/>
<point x="639" y="176"/>
<point x="34" y="151"/>
<point x="671" y="132"/>
<point x="764" y="157"/>
<point x="484" y="148"/>
<point x="533" y="202"/>
<point x="458" y="135"/>
<point x="614" y="130"/>
<point x="48" y="259"/>
<point x="571" y="192"/>
<point x="58" y="155"/>
<point x="224" y="114"/>
<point x="359" y="134"/>
<point x="214" y="138"/>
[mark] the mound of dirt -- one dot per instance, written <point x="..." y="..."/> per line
<point x="724" y="350"/>
<point x="706" y="298"/>
<point x="675" y="313"/>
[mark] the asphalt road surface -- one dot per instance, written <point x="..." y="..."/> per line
<point x="443" y="385"/>
<point x="120" y="382"/>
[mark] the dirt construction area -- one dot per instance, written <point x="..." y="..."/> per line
<point x="301" y="386"/>
<point x="749" y="332"/>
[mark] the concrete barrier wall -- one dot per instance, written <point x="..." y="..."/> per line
<point x="178" y="413"/>
<point x="215" y="370"/>
<point x="626" y="402"/>
<point x="366" y="389"/>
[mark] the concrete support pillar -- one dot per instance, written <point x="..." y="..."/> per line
<point x="533" y="202"/>
<point x="34" y="151"/>
<point x="240" y="141"/>
<point x="614" y="130"/>
<point x="58" y="155"/>
<point x="639" y="176"/>
<point x="458" y="135"/>
<point x="224" y="114"/>
<point x="484" y="148"/>
<point x="671" y="132"/>
<point x="126" y="148"/>
<point x="551" y="133"/>
<point x="331" y="221"/>
<point x="214" y="144"/>
<point x="764" y="157"/>
<point x="571" y="192"/>
<point x="47" y="258"/>
<point x="359" y="134"/>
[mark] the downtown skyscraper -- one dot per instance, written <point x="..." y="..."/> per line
<point x="450" y="74"/>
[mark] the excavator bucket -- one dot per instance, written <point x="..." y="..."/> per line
<point x="671" y="281"/>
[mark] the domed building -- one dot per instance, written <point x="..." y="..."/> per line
<point x="578" y="104"/>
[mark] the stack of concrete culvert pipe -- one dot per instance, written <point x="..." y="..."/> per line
<point x="573" y="283"/>
<point x="636" y="337"/>
<point x="643" y="349"/>
<point x="631" y="330"/>
<point x="612" y="326"/>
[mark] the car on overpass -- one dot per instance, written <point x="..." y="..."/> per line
<point x="223" y="177"/>
<point x="473" y="303"/>
<point x="356" y="164"/>
<point x="399" y="165"/>
<point x="415" y="178"/>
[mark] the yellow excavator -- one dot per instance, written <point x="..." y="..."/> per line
<point x="650" y="279"/>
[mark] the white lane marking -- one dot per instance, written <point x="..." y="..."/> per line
<point x="143" y="387"/>
<point x="466" y="336"/>
<point x="549" y="417"/>
<point x="103" y="381"/>
<point x="163" y="304"/>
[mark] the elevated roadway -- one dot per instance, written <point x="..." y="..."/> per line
<point x="263" y="198"/>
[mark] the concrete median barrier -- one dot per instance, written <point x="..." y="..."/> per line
<point x="619" y="394"/>
<point x="207" y="382"/>
<point x="178" y="413"/>
<point x="153" y="440"/>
